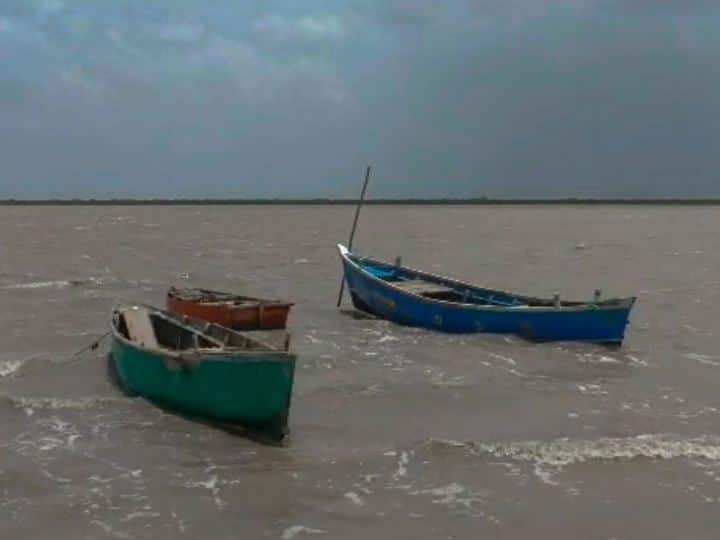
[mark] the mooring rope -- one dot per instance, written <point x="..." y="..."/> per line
<point x="91" y="347"/>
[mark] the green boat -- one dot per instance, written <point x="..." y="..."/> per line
<point x="205" y="370"/>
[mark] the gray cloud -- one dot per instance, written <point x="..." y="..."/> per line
<point x="313" y="27"/>
<point x="180" y="32"/>
<point x="662" y="7"/>
<point x="467" y="98"/>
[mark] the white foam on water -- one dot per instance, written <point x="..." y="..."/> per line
<point x="372" y="389"/>
<point x="569" y="452"/>
<point x="32" y="404"/>
<point x="545" y="476"/>
<point x="637" y="361"/>
<point x="445" y="493"/>
<point x="55" y="478"/>
<point x="9" y="368"/>
<point x="140" y="515"/>
<point x="62" y="283"/>
<point x="354" y="498"/>
<point x="45" y="439"/>
<point x="14" y="367"/>
<point x="58" y="284"/>
<point x="456" y="497"/>
<point x="386" y="338"/>
<point x="639" y="408"/>
<point x="503" y="358"/>
<point x="313" y="339"/>
<point x="592" y="358"/>
<point x="212" y="485"/>
<point x="109" y="529"/>
<point x="401" y="471"/>
<point x="591" y="390"/>
<point x="182" y="527"/>
<point x="561" y="453"/>
<point x="440" y="380"/>
<point x="703" y="359"/>
<point x="517" y="373"/>
<point x="292" y="532"/>
<point x="100" y="480"/>
<point x="100" y="493"/>
<point x="685" y="415"/>
<point x="370" y="478"/>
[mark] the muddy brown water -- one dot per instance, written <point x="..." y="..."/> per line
<point x="396" y="432"/>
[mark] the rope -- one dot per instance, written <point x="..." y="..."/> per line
<point x="91" y="347"/>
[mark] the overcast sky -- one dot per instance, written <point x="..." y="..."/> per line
<point x="214" y="98"/>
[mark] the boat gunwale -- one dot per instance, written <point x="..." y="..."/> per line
<point x="231" y="354"/>
<point x="618" y="304"/>
<point x="171" y="293"/>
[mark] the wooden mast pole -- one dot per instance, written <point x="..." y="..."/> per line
<point x="354" y="226"/>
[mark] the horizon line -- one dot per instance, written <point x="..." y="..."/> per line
<point x="230" y="201"/>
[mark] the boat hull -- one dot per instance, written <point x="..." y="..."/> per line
<point x="254" y="391"/>
<point x="372" y="295"/>
<point x="258" y="316"/>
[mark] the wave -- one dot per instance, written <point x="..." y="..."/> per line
<point x="10" y="368"/>
<point x="565" y="452"/>
<point x="292" y="532"/>
<point x="61" y="283"/>
<point x="57" y="284"/>
<point x="703" y="359"/>
<point x="443" y="381"/>
<point x="32" y="404"/>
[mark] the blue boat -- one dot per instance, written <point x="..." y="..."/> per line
<point x="415" y="298"/>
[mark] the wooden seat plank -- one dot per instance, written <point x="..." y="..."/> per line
<point x="140" y="327"/>
<point x="418" y="286"/>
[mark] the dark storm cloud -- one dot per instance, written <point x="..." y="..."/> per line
<point x="659" y="6"/>
<point x="394" y="16"/>
<point x="466" y="98"/>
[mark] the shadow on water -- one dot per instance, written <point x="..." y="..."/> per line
<point x="358" y="315"/>
<point x="256" y="435"/>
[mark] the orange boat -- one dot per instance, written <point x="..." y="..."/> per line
<point x="229" y="310"/>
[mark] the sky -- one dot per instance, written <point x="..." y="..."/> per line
<point x="279" y="98"/>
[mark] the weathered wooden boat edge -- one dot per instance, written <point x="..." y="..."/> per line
<point x="271" y="301"/>
<point x="176" y="364"/>
<point x="584" y="322"/>
<point x="626" y="302"/>
<point x="246" y="314"/>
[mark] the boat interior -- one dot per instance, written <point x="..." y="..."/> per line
<point x="450" y="291"/>
<point x="162" y="331"/>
